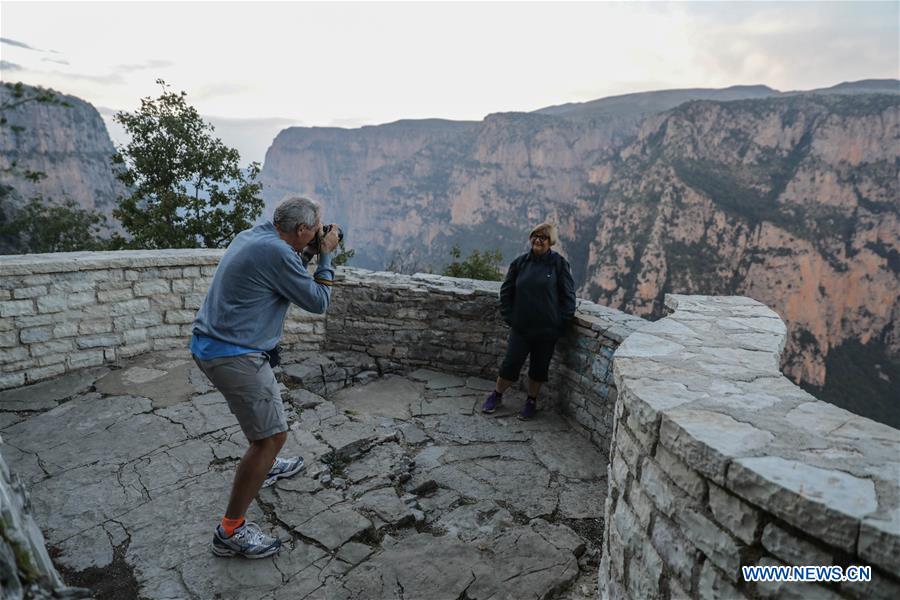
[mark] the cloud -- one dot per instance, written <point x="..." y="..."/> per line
<point x="10" y="42"/>
<point x="5" y="65"/>
<point x="217" y="90"/>
<point x="150" y="64"/>
<point x="58" y="61"/>
<point x="19" y="44"/>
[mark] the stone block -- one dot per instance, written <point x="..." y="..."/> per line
<point x="825" y="503"/>
<point x="135" y="306"/>
<point x="65" y="329"/>
<point x="734" y="514"/>
<point x="11" y="380"/>
<point x="707" y="440"/>
<point x="641" y="505"/>
<point x="712" y="585"/>
<point x="36" y="334"/>
<point x="29" y="292"/>
<point x="153" y="287"/>
<point x="666" y="496"/>
<point x="879" y="588"/>
<point x="95" y="326"/>
<point x="679" y="472"/>
<point x="208" y="270"/>
<point x="35" y="280"/>
<point x="791" y="549"/>
<point x="618" y="470"/>
<point x="34" y="321"/>
<point x="879" y="541"/>
<point x="52" y="303"/>
<point x="43" y="360"/>
<point x="135" y="335"/>
<point x="716" y="543"/>
<point x="675" y="549"/>
<point x="193" y="301"/>
<point x="168" y="343"/>
<point x="161" y="331"/>
<point x="16" y="308"/>
<point x="182" y="286"/>
<point x="79" y="299"/>
<point x="8" y="339"/>
<point x="191" y="272"/>
<point x="14" y="354"/>
<point x="87" y="358"/>
<point x="134" y="349"/>
<point x="180" y="316"/>
<point x="98" y="341"/>
<point x="147" y="319"/>
<point x="119" y="295"/>
<point x="53" y="347"/>
<point x="629" y="448"/>
<point x="790" y="590"/>
<point x="47" y="372"/>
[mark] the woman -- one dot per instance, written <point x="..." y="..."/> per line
<point x="537" y="301"/>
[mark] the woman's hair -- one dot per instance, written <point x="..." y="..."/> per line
<point x="294" y="211"/>
<point x="548" y="229"/>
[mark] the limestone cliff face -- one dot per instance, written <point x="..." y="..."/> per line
<point x="415" y="188"/>
<point x="792" y="201"/>
<point x="68" y="143"/>
<point x="789" y="198"/>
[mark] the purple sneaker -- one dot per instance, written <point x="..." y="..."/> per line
<point x="493" y="402"/>
<point x="528" y="410"/>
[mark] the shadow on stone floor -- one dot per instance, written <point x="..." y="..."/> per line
<point x="410" y="492"/>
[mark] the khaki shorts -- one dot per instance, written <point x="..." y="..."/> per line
<point x="249" y="386"/>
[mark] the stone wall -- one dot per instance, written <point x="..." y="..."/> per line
<point x="454" y="325"/>
<point x="67" y="311"/>
<point x="718" y="461"/>
<point x="63" y="312"/>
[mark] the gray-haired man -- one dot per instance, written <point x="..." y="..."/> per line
<point x="240" y="321"/>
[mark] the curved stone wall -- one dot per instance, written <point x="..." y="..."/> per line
<point x="718" y="461"/>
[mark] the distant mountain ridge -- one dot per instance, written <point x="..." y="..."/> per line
<point x="773" y="171"/>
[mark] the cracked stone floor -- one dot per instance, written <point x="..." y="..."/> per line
<point x="409" y="491"/>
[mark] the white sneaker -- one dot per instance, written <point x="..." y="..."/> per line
<point x="283" y="467"/>
<point x="248" y="541"/>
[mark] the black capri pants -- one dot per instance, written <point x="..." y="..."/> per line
<point x="518" y="348"/>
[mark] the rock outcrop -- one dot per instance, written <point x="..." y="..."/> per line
<point x="792" y="201"/>
<point x="67" y="141"/>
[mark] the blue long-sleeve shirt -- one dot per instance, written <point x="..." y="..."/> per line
<point x="258" y="278"/>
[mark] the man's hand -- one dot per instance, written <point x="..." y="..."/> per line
<point x="330" y="240"/>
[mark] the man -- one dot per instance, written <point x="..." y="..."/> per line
<point x="238" y="325"/>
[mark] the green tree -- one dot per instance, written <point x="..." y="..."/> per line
<point x="479" y="265"/>
<point x="40" y="227"/>
<point x="187" y="188"/>
<point x="342" y="256"/>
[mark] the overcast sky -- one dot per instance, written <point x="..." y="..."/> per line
<point x="348" y="64"/>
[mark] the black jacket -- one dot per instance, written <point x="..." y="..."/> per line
<point x="537" y="298"/>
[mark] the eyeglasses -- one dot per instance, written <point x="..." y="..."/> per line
<point x="540" y="237"/>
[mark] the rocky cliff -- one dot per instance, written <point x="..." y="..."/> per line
<point x="792" y="201"/>
<point x="790" y="198"/>
<point x="65" y="140"/>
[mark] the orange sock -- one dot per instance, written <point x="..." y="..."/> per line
<point x="229" y="525"/>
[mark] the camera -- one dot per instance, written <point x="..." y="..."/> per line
<point x="315" y="245"/>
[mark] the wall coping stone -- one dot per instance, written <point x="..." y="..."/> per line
<point x="58" y="262"/>
<point x="707" y="377"/>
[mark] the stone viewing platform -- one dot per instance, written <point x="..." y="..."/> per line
<point x="667" y="454"/>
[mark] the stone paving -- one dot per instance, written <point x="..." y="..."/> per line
<point x="409" y="493"/>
